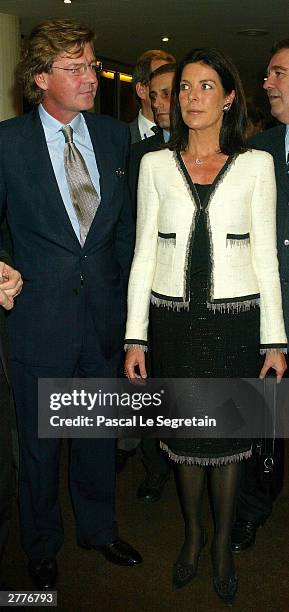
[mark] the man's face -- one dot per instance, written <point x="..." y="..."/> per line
<point x="160" y="96"/>
<point x="143" y="91"/>
<point x="65" y="93"/>
<point x="277" y="85"/>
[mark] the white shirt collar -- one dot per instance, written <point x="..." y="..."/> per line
<point x="287" y="142"/>
<point x="145" y="126"/>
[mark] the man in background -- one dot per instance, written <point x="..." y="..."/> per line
<point x="142" y="126"/>
<point x="161" y="85"/>
<point x="142" y="129"/>
<point x="255" y="498"/>
<point x="160" y="92"/>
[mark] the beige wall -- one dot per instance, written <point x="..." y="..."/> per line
<point x="10" y="44"/>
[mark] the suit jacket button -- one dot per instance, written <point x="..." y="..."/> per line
<point x="286" y="242"/>
<point x="76" y="291"/>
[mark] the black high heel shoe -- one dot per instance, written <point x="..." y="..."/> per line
<point x="183" y="573"/>
<point x="225" y="588"/>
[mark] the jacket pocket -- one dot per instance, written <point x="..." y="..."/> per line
<point x="238" y="239"/>
<point x="167" y="239"/>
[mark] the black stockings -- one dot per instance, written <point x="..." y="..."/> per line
<point x="190" y="484"/>
<point x="223" y="480"/>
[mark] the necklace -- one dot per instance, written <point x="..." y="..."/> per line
<point x="199" y="161"/>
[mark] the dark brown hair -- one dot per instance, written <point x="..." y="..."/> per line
<point x="281" y="44"/>
<point x="232" y="135"/>
<point x="164" y="69"/>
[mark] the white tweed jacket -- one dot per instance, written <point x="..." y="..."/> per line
<point x="240" y="215"/>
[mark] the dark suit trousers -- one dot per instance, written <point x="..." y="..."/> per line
<point x="92" y="461"/>
<point x="6" y="461"/>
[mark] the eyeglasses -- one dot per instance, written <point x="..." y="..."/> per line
<point x="80" y="69"/>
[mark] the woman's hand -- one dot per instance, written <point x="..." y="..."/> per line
<point x="275" y="360"/>
<point x="135" y="357"/>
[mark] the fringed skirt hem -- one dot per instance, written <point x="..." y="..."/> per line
<point x="206" y="461"/>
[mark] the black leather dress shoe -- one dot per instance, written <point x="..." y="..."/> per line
<point x="119" y="553"/>
<point x="150" y="490"/>
<point x="43" y="573"/>
<point x="244" y="535"/>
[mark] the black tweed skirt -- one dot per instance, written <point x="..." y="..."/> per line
<point x="200" y="343"/>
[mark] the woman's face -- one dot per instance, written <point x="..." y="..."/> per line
<point x="202" y="97"/>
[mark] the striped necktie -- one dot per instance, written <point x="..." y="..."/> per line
<point x="84" y="197"/>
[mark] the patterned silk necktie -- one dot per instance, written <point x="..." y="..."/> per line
<point x="84" y="197"/>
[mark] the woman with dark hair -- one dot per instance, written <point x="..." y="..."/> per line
<point x="206" y="258"/>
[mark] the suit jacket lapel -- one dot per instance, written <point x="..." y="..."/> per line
<point x="106" y="163"/>
<point x="36" y="153"/>
<point x="134" y="131"/>
<point x="278" y="152"/>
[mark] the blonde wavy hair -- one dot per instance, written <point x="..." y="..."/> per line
<point x="46" y="42"/>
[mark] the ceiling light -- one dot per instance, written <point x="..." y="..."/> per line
<point x="253" y="32"/>
<point x="67" y="1"/>
<point x="165" y="39"/>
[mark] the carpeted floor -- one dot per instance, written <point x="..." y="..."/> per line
<point x="88" y="582"/>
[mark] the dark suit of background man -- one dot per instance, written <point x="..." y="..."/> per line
<point x="69" y="319"/>
<point x="254" y="503"/>
<point x="160" y="91"/>
<point x="141" y="127"/>
<point x="6" y="415"/>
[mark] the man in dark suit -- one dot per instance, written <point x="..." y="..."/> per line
<point x="10" y="279"/>
<point x="127" y="446"/>
<point x="142" y="128"/>
<point x="255" y="499"/>
<point x="160" y="91"/>
<point x="143" y="125"/>
<point x="63" y="184"/>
